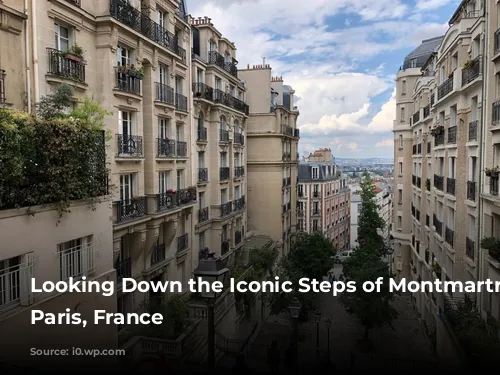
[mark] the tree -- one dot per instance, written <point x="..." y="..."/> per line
<point x="369" y="222"/>
<point x="310" y="257"/>
<point x="373" y="309"/>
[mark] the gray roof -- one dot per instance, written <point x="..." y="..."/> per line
<point x="423" y="52"/>
<point x="305" y="171"/>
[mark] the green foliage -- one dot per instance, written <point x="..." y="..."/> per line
<point x="310" y="257"/>
<point x="175" y="312"/>
<point x="369" y="222"/>
<point x="263" y="260"/>
<point x="54" y="158"/>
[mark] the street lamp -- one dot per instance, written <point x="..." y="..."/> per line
<point x="211" y="270"/>
<point x="295" y="306"/>
<point x="317" y="319"/>
<point x="328" y="326"/>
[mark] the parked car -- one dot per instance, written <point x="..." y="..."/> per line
<point x="343" y="256"/>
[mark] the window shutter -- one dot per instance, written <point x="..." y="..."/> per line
<point x="25" y="275"/>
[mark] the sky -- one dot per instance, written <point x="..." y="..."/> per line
<point x="340" y="57"/>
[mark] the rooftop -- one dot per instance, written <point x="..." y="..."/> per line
<point x="423" y="52"/>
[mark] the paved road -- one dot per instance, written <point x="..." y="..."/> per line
<point x="406" y="341"/>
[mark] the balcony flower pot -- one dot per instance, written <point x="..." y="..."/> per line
<point x="75" y="53"/>
<point x="492" y="172"/>
<point x="437" y="130"/>
<point x="73" y="57"/>
<point x="171" y="191"/>
<point x="197" y="94"/>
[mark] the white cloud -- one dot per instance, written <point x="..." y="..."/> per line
<point x="427" y="5"/>
<point x="321" y="61"/>
<point x="385" y="143"/>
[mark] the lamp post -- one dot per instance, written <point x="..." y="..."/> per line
<point x="211" y="270"/>
<point x="328" y="326"/>
<point x="317" y="319"/>
<point x="295" y="307"/>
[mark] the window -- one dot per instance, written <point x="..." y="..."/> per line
<point x="403" y="115"/>
<point x="179" y="132"/>
<point x="218" y="83"/>
<point x="178" y="85"/>
<point x="454" y="62"/>
<point x="237" y="157"/>
<point x="163" y="76"/>
<point x="201" y="239"/>
<point x="15" y="280"/>
<point x="413" y="63"/>
<point x="212" y="46"/>
<point x="61" y="34"/>
<point x="452" y="167"/>
<point x="75" y="258"/>
<point x="453" y="116"/>
<point x="232" y="88"/>
<point x="403" y="87"/>
<point x="201" y="159"/>
<point x="163" y="181"/>
<point x="201" y="199"/>
<point x="315" y="173"/>
<point x="400" y="164"/>
<point x="400" y="222"/>
<point x="316" y="208"/>
<point x="473" y="107"/>
<point x="161" y="18"/>
<point x="223" y="159"/>
<point x="163" y="128"/>
<point x="237" y="193"/>
<point x="315" y="225"/>
<point x="400" y="195"/>
<point x="126" y="187"/>
<point x="223" y="196"/>
<point x="123" y="56"/>
<point x="224" y="233"/>
<point x="301" y="190"/>
<point x="199" y="75"/>
<point x="473" y="167"/>
<point x="400" y="141"/>
<point x="125" y="123"/>
<point x="180" y="179"/>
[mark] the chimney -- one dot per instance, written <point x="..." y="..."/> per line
<point x="263" y="61"/>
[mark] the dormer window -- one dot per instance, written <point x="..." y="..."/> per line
<point x="315" y="173"/>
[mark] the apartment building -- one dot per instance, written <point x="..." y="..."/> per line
<point x="272" y="157"/>
<point x="323" y="199"/>
<point x="441" y="124"/>
<point x="219" y="120"/>
<point x="35" y="245"/>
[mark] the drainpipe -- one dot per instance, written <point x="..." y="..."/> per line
<point x="27" y="54"/>
<point x="35" y="51"/>
<point x="482" y="155"/>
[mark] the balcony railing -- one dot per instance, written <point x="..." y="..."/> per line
<point x="76" y="3"/>
<point x="203" y="215"/>
<point x="473" y="71"/>
<point x="182" y="242"/>
<point x="125" y="13"/>
<point x="202" y="134"/>
<point x="450" y="186"/>
<point x="223" y="136"/>
<point x="202" y="174"/>
<point x="452" y="135"/>
<point x="123" y="269"/>
<point x="130" y="209"/>
<point x="495" y="118"/>
<point x="203" y="91"/>
<point x="286" y="130"/>
<point x="181" y="149"/>
<point x="181" y="102"/>
<point x="224" y="173"/>
<point x="226" y="209"/>
<point x="158" y="254"/>
<point x="470" y="248"/>
<point x="166" y="148"/>
<point x="170" y="200"/>
<point x="164" y="93"/>
<point x="496" y="39"/>
<point x="239" y="204"/>
<point x="438" y="182"/>
<point x="427" y="111"/>
<point x="127" y="81"/>
<point x="494" y="185"/>
<point x="239" y="139"/>
<point x="439" y="140"/>
<point x="228" y="100"/>
<point x="449" y="235"/>
<point x="129" y="145"/>
<point x="65" y="66"/>
<point x="438" y="225"/>
<point x="228" y="64"/>
<point x="239" y="172"/>
<point x="473" y="130"/>
<point x="445" y="88"/>
<point x="471" y="190"/>
<point x="416" y="117"/>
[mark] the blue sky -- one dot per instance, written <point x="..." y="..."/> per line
<point x="340" y="56"/>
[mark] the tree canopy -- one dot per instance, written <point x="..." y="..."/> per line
<point x="369" y="222"/>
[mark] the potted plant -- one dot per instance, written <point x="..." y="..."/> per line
<point x="467" y="64"/>
<point x="75" y="53"/>
<point x="131" y="71"/>
<point x="191" y="188"/>
<point x="171" y="191"/>
<point x="492" y="172"/>
<point x="492" y="244"/>
<point x="437" y="130"/>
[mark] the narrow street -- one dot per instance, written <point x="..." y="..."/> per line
<point x="405" y="345"/>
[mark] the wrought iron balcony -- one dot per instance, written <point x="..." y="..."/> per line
<point x="158" y="253"/>
<point x="450" y="186"/>
<point x="123" y="269"/>
<point x="203" y="91"/>
<point x="223" y="136"/>
<point x="473" y="130"/>
<point x="226" y="209"/>
<point x="228" y="64"/>
<point x="238" y="237"/>
<point x="122" y="11"/>
<point x="203" y="215"/>
<point x="495" y="118"/>
<point x="439" y="140"/>
<point x="166" y="148"/>
<point x="449" y="235"/>
<point x="130" y="209"/>
<point x="224" y="173"/>
<point x="494" y="185"/>
<point x="438" y="182"/>
<point x="181" y="102"/>
<point x="416" y="117"/>
<point x="65" y="66"/>
<point x="202" y="174"/>
<point x="182" y="243"/>
<point x="472" y="71"/>
<point x="173" y="199"/>
<point x="452" y="135"/>
<point x="220" y="97"/>
<point x="438" y="225"/>
<point x="427" y="111"/>
<point x="286" y="130"/>
<point x="129" y="145"/>
<point x="164" y="93"/>
<point x="224" y="247"/>
<point x="202" y="134"/>
<point x="239" y="172"/>
<point x="445" y="88"/>
<point x="471" y="190"/>
<point x="181" y="149"/>
<point x="76" y="3"/>
<point x="239" y="204"/>
<point x="127" y="81"/>
<point x="239" y="138"/>
<point x="470" y="247"/>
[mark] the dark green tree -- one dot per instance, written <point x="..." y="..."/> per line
<point x="310" y="257"/>
<point x="369" y="222"/>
